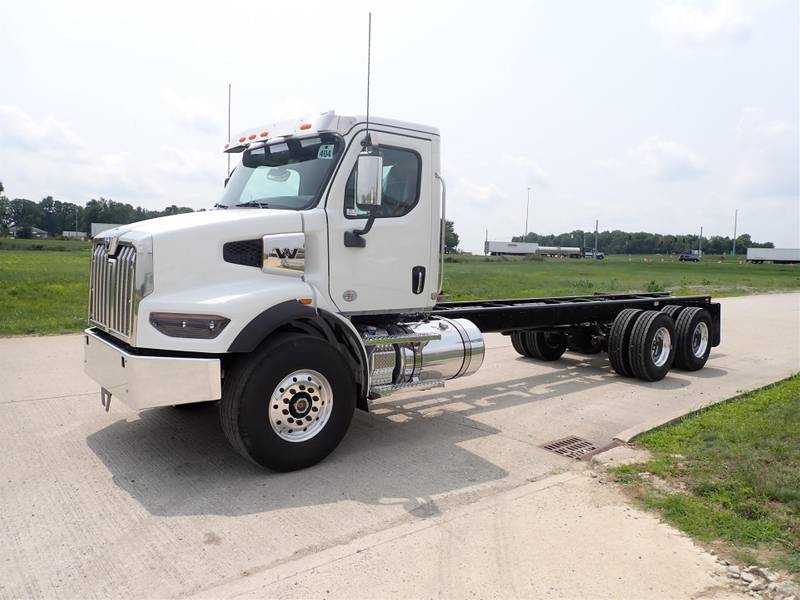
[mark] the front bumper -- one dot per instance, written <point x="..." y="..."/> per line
<point x="150" y="381"/>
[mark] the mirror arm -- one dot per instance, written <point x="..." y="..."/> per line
<point x="353" y="239"/>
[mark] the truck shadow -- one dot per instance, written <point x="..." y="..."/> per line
<point x="410" y="450"/>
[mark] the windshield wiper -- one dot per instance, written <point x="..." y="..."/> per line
<point x="218" y="205"/>
<point x="254" y="203"/>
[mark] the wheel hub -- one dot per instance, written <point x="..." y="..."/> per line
<point x="700" y="340"/>
<point x="300" y="406"/>
<point x="662" y="344"/>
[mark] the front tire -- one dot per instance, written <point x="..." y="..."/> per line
<point x="289" y="404"/>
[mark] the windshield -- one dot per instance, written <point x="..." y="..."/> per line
<point x="289" y="174"/>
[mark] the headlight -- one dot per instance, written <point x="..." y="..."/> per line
<point x="205" y="327"/>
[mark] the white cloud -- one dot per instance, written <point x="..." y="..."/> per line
<point x="45" y="154"/>
<point x="689" y="22"/>
<point x="19" y="130"/>
<point x="467" y="188"/>
<point x="196" y="113"/>
<point x="666" y="160"/>
<point x="534" y="173"/>
<point x="769" y="156"/>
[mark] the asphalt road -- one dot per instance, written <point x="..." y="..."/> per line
<point x="444" y="493"/>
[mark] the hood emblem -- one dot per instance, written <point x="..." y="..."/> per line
<point x="110" y="244"/>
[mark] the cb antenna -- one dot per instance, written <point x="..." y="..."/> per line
<point x="367" y="141"/>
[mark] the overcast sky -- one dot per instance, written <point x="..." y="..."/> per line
<point x="657" y="116"/>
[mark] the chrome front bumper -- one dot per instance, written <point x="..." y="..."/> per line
<point x="150" y="381"/>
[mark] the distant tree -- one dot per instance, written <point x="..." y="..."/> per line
<point x="641" y="242"/>
<point x="450" y="237"/>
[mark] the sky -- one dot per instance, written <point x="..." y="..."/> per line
<point x="659" y="116"/>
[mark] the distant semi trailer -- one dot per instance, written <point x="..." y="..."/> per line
<point x="571" y="251"/>
<point x="773" y="255"/>
<point x="509" y="248"/>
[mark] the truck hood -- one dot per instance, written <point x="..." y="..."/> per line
<point x="232" y="219"/>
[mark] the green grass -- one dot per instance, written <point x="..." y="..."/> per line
<point x="730" y="475"/>
<point x="474" y="278"/>
<point x="53" y="245"/>
<point x="45" y="291"/>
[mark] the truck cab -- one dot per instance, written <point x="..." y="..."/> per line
<point x="313" y="286"/>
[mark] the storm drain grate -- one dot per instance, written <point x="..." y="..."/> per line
<point x="572" y="447"/>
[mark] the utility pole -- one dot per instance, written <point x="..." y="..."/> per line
<point x="527" y="211"/>
<point x="700" y="243"/>
<point x="735" y="223"/>
<point x="583" y="248"/>
<point x="596" y="224"/>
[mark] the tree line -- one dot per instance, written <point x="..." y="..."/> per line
<point x="641" y="242"/>
<point x="55" y="216"/>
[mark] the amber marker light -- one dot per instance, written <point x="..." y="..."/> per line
<point x="241" y="139"/>
<point x="305" y="126"/>
<point x="304" y="300"/>
<point x="264" y="133"/>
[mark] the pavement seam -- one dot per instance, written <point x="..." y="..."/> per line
<point x="391" y="534"/>
<point x="48" y="398"/>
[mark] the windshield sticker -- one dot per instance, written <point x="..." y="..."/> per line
<point x="325" y="151"/>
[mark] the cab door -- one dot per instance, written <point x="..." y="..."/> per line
<point x="392" y="272"/>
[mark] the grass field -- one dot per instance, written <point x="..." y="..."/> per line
<point x="730" y="476"/>
<point x="473" y="278"/>
<point x="43" y="283"/>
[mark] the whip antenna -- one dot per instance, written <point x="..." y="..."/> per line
<point x="367" y="141"/>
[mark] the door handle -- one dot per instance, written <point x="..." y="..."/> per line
<point x="417" y="279"/>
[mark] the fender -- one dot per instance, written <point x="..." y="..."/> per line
<point x="334" y="328"/>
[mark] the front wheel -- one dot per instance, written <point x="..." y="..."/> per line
<point x="287" y="406"/>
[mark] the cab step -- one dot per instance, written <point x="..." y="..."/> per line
<point x="404" y="338"/>
<point x="385" y="390"/>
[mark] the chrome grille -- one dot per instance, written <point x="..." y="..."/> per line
<point x="111" y="290"/>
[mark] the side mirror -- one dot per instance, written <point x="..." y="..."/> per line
<point x="369" y="179"/>
<point x="369" y="187"/>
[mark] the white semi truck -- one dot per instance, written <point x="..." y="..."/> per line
<point x="314" y="288"/>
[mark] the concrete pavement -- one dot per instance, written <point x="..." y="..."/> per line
<point x="434" y="494"/>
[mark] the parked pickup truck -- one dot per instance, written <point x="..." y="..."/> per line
<point x="314" y="288"/>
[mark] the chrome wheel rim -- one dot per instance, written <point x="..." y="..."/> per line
<point x="300" y="406"/>
<point x="700" y="340"/>
<point x="660" y="349"/>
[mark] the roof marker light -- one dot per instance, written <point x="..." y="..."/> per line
<point x="252" y="136"/>
<point x="227" y="146"/>
<point x="305" y="126"/>
<point x="264" y="133"/>
<point x="241" y="139"/>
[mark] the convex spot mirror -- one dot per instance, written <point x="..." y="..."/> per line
<point x="369" y="178"/>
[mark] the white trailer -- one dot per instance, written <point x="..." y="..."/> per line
<point x="773" y="255"/>
<point x="510" y="248"/>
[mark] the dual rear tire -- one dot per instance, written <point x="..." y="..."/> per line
<point x="641" y="344"/>
<point x="541" y="345"/>
<point x="647" y="344"/>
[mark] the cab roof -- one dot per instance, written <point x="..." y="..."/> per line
<point x="326" y="122"/>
